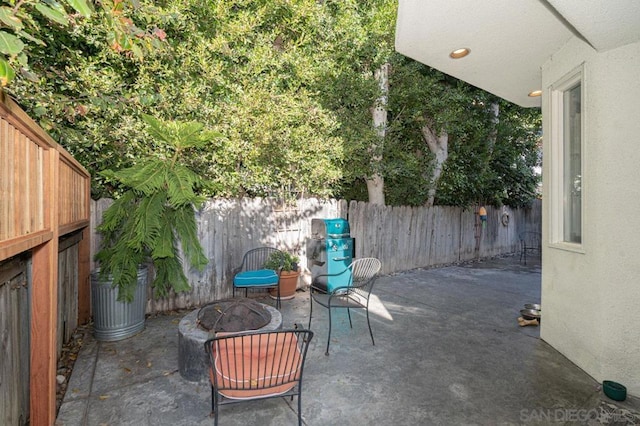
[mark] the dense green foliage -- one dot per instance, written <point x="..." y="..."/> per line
<point x="155" y="213"/>
<point x="289" y="84"/>
<point x="489" y="162"/>
<point x="24" y="26"/>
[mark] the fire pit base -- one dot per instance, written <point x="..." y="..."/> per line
<point x="192" y="359"/>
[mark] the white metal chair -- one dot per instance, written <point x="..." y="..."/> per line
<point x="363" y="273"/>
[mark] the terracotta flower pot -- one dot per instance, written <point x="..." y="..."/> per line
<point x="288" y="285"/>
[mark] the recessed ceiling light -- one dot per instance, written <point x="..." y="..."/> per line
<point x="535" y="93"/>
<point x="460" y="53"/>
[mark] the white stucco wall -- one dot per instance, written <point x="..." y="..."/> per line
<point x="591" y="299"/>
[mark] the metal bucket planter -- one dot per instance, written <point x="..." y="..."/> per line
<point x="114" y="320"/>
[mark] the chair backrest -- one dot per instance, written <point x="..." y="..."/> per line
<point x="531" y="240"/>
<point x="255" y="259"/>
<point x="364" y="272"/>
<point x="365" y="268"/>
<point x="258" y="364"/>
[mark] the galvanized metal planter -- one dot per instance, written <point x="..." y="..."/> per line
<point x="114" y="320"/>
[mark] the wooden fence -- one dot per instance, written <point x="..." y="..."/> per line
<point x="44" y="198"/>
<point x="403" y="238"/>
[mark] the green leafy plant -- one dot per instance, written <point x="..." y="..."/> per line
<point x="282" y="261"/>
<point x="25" y="25"/>
<point x="155" y="214"/>
<point x="290" y="262"/>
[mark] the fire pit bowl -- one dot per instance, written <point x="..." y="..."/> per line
<point x="229" y="315"/>
<point x="233" y="315"/>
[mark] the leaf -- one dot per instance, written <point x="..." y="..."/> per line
<point x="39" y="111"/>
<point x="164" y="244"/>
<point x="81" y="7"/>
<point x="53" y="13"/>
<point x="137" y="51"/>
<point x="6" y="73"/>
<point x="29" y="75"/>
<point x="23" y="59"/>
<point x="31" y="38"/>
<point x="7" y="17"/>
<point x="10" y="44"/>
<point x="124" y="42"/>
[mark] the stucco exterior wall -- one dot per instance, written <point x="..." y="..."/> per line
<point x="591" y="298"/>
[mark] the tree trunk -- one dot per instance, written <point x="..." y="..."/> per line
<point x="495" y="120"/>
<point x="375" y="183"/>
<point x="438" y="145"/>
<point x="375" y="188"/>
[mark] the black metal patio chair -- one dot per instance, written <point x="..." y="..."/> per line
<point x="530" y="242"/>
<point x="260" y="268"/>
<point x="257" y="365"/>
<point x="356" y="294"/>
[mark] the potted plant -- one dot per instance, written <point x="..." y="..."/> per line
<point x="288" y="273"/>
<point x="147" y="224"/>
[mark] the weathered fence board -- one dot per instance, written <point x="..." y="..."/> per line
<point x="67" y="289"/>
<point x="403" y="238"/>
<point x="14" y="342"/>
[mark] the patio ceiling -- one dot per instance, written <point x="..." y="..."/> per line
<point x="509" y="40"/>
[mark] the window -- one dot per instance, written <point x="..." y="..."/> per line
<point x="572" y="177"/>
<point x="567" y="173"/>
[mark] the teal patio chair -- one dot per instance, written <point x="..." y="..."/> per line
<point x="260" y="269"/>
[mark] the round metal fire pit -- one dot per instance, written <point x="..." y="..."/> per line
<point x="233" y="315"/>
<point x="192" y="359"/>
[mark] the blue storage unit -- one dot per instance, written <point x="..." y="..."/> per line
<point x="330" y="251"/>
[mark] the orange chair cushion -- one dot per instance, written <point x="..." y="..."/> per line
<point x="255" y="366"/>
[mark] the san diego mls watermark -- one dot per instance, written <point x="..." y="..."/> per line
<point x="572" y="415"/>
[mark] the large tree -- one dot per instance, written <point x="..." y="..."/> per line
<point x="451" y="143"/>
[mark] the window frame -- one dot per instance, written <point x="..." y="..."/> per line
<point x="557" y="145"/>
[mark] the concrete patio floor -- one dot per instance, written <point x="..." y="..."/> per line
<point x="448" y="351"/>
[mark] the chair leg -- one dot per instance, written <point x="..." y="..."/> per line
<point x="217" y="409"/>
<point x="329" y="336"/>
<point x="213" y="400"/>
<point x="310" y="310"/>
<point x="369" y="324"/>
<point x="214" y="411"/>
<point x="349" y="315"/>
<point x="299" y="406"/>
